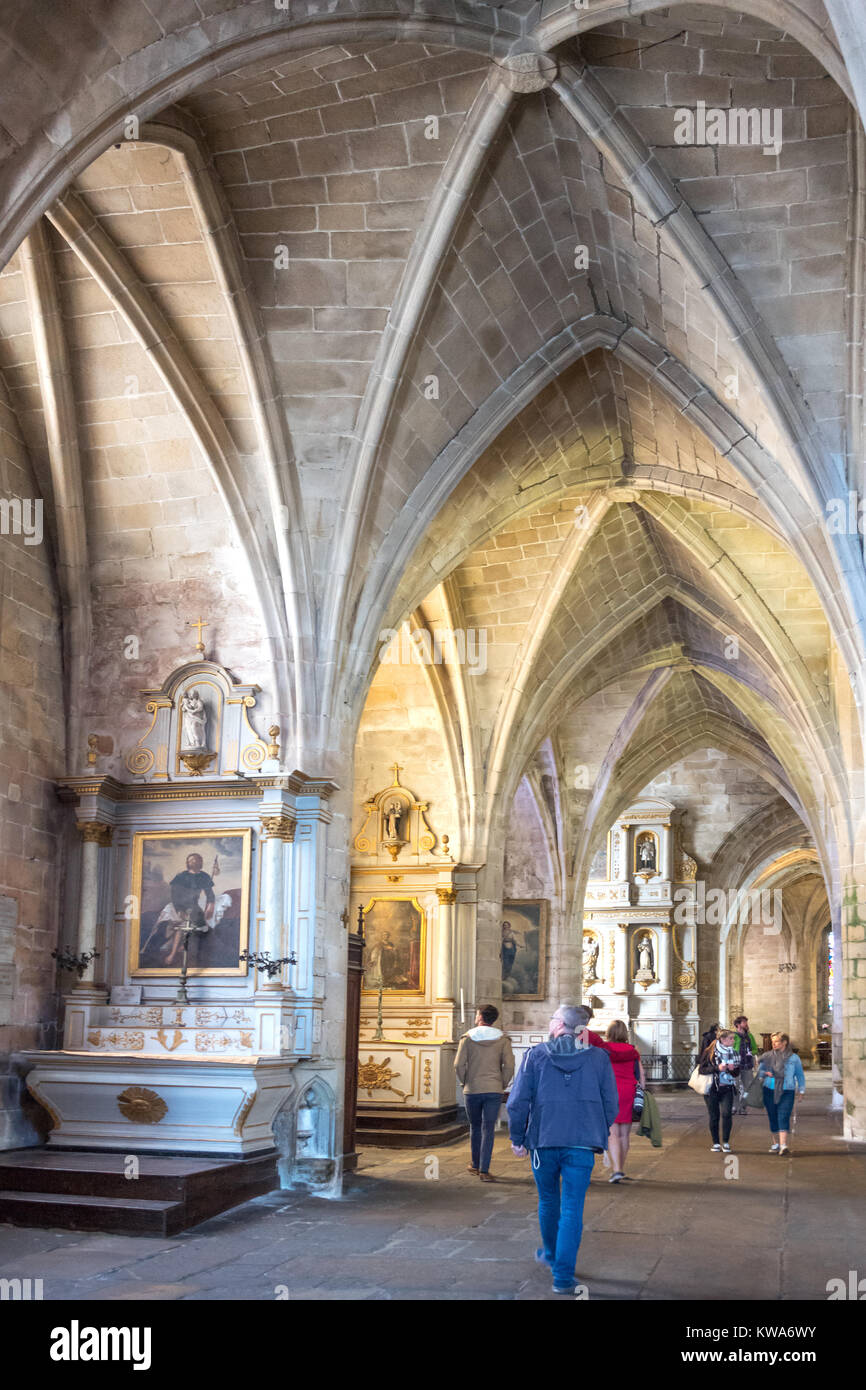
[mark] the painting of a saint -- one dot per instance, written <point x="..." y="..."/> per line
<point x="395" y="932"/>
<point x="202" y="879"/>
<point x="523" y="949"/>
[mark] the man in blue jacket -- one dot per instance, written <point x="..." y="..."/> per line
<point x="561" y="1109"/>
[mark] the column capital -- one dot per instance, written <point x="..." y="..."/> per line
<point x="95" y="832"/>
<point x="446" y="895"/>
<point x="278" y="827"/>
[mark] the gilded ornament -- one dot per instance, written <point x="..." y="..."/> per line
<point x="246" y="1107"/>
<point x="279" y="827"/>
<point x="141" y="1105"/>
<point x="197" y="763"/>
<point x="377" y="1076"/>
<point x="94" y="832"/>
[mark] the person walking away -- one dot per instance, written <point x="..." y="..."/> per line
<point x="781" y="1071"/>
<point x="719" y="1061"/>
<point x="484" y="1065"/>
<point x="560" y="1109"/>
<point x="746" y="1049"/>
<point x="627" y="1071"/>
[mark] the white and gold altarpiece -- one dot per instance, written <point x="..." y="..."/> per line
<point x="205" y="819"/>
<point x="639" y="934"/>
<point x="418" y="909"/>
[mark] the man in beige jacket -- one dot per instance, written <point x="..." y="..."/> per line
<point x="484" y="1066"/>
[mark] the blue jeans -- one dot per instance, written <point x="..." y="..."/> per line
<point x="779" y="1113"/>
<point x="483" y="1112"/>
<point x="561" y="1218"/>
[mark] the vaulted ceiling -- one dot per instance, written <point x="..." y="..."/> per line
<point x="353" y="326"/>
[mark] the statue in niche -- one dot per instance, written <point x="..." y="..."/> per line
<point x="645" y="970"/>
<point x="590" y="960"/>
<point x="193" y="722"/>
<point x="646" y="854"/>
<point x="393" y="812"/>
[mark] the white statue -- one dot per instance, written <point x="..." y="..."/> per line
<point x="647" y="855"/>
<point x="194" y="721"/>
<point x="393" y="812"/>
<point x="645" y="954"/>
<point x="590" y="960"/>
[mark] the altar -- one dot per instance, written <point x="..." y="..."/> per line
<point x="193" y="1001"/>
<point x="639" y="933"/>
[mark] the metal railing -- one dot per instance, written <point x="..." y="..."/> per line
<point x="675" y="1068"/>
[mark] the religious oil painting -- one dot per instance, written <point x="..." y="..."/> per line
<point x="523" y="951"/>
<point x="396" y="934"/>
<point x="202" y="878"/>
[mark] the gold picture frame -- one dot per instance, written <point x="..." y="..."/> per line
<point x="528" y="919"/>
<point x="389" y="962"/>
<point x="153" y="937"/>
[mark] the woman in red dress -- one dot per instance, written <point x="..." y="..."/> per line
<point x="623" y="1059"/>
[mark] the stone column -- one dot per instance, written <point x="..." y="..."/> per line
<point x="94" y="835"/>
<point x="797" y="1029"/>
<point x="664" y="970"/>
<point x="444" y="954"/>
<point x="279" y="830"/>
<point x="666" y="864"/>
<point x="620" y="972"/>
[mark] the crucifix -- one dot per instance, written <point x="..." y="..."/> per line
<point x="199" y="646"/>
<point x="396" y="769"/>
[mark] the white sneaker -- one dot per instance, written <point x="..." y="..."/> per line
<point x="716" y="1149"/>
<point x="726" y="1148"/>
<point x="774" y="1148"/>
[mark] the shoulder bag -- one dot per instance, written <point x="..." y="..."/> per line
<point x="637" y="1107"/>
<point x="700" y="1083"/>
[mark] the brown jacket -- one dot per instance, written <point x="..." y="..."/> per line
<point x="484" y="1062"/>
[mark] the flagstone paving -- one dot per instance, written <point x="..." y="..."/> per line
<point x="412" y="1225"/>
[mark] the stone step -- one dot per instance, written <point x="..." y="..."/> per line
<point x="384" y="1117"/>
<point x="81" y="1190"/>
<point x="74" y="1212"/>
<point x="375" y="1138"/>
<point x="159" y="1178"/>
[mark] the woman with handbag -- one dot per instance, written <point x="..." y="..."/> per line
<point x="781" y="1071"/>
<point x="629" y="1076"/>
<point x="721" y="1064"/>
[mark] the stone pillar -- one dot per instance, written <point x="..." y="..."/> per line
<point x="666" y="857"/>
<point x="664" y="970"/>
<point x="797" y="1028"/>
<point x="94" y="835"/>
<point x="279" y="831"/>
<point x="723" y="981"/>
<point x="620" y="969"/>
<point x="444" y="953"/>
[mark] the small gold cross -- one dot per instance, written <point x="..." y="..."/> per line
<point x="199" y="646"/>
<point x="396" y="769"/>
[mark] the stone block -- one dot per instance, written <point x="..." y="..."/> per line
<point x="765" y="190"/>
<point x="329" y="155"/>
<point x="278" y="161"/>
<point x="830" y="181"/>
<point x="382" y="148"/>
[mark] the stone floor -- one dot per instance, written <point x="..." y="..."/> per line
<point x="417" y="1226"/>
